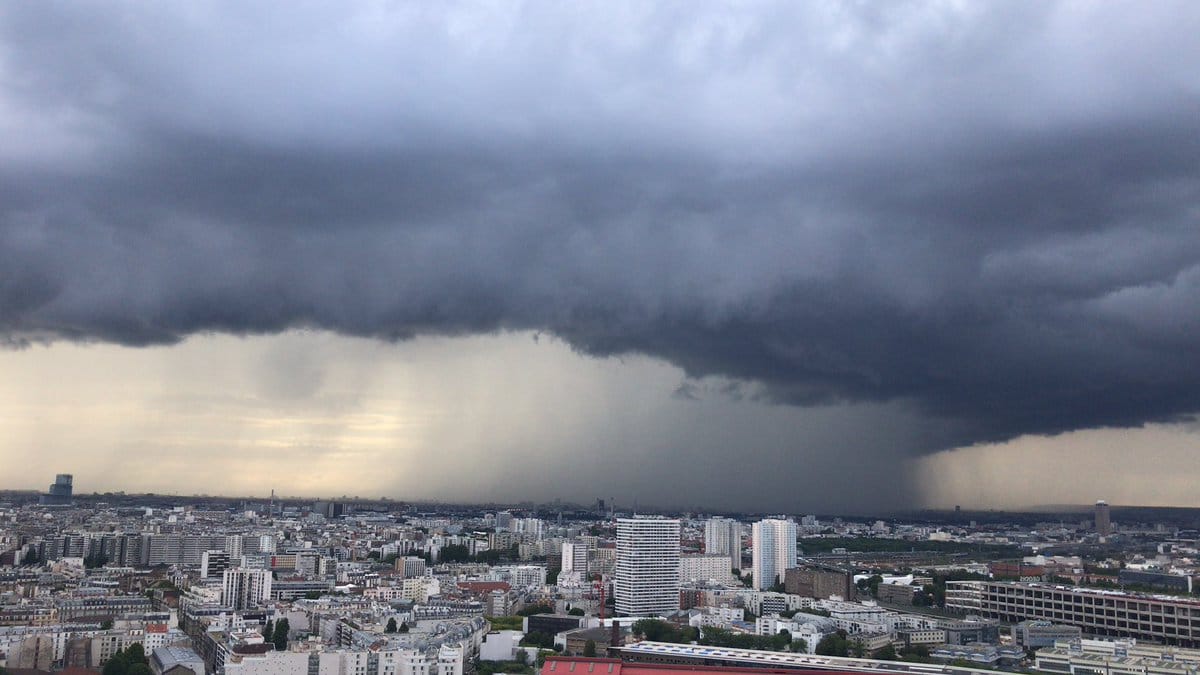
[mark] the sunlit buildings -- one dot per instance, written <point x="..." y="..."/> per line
<point x="774" y="551"/>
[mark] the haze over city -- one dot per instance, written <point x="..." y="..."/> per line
<point x="826" y="257"/>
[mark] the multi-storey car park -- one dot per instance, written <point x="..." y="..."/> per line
<point x="1157" y="618"/>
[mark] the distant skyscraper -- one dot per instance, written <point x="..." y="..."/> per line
<point x="504" y="521"/>
<point x="723" y="536"/>
<point x="774" y="551"/>
<point x="1103" y="519"/>
<point x="647" y="580"/>
<point x="60" y="491"/>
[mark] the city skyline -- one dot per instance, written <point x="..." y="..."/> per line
<point x="774" y="256"/>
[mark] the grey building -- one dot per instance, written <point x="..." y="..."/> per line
<point x="1036" y="634"/>
<point x="1167" y="620"/>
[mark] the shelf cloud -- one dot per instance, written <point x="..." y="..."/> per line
<point x="989" y="212"/>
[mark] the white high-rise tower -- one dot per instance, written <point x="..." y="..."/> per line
<point x="774" y="551"/>
<point x="647" y="581"/>
<point x="723" y="536"/>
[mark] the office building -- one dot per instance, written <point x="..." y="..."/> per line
<point x="723" y="536"/>
<point x="60" y="492"/>
<point x="1038" y="634"/>
<point x="774" y="551"/>
<point x="410" y="566"/>
<point x="1103" y="519"/>
<point x="647" y="579"/>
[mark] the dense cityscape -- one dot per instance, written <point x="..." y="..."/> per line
<point x="599" y="337"/>
<point x="167" y="584"/>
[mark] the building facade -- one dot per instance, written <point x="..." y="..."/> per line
<point x="1163" y="619"/>
<point x="774" y="551"/>
<point x="647" y="579"/>
<point x="723" y="536"/>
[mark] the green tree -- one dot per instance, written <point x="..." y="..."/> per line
<point x="281" y="634"/>
<point x="873" y="583"/>
<point x="538" y="639"/>
<point x="391" y="626"/>
<point x="139" y="669"/>
<point x="116" y="665"/>
<point x="268" y="631"/>
<point x="540" y="608"/>
<point x="454" y="553"/>
<point x="834" y="644"/>
<point x="522" y="657"/>
<point x="589" y="648"/>
<point x="915" y="654"/>
<point x="403" y="626"/>
<point x="575" y="611"/>
<point x="136" y="653"/>
<point x="887" y="653"/>
<point x="106" y="624"/>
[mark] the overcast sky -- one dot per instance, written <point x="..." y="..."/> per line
<point x="755" y="255"/>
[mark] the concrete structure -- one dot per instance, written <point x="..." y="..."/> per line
<point x="1179" y="583"/>
<point x="1158" y="618"/>
<point x="774" y="551"/>
<point x="896" y="594"/>
<point x="816" y="582"/>
<point x="971" y="630"/>
<point x="1103" y="519"/>
<point x="214" y="564"/>
<point x="1116" y="657"/>
<point x="723" y="536"/>
<point x="410" y="567"/>
<point x="1037" y="634"/>
<point x="501" y="645"/>
<point x="176" y="661"/>
<point x="59" y="493"/>
<point x="243" y="589"/>
<point x="705" y="568"/>
<point x="647" y="579"/>
<point x="575" y="558"/>
<point x="980" y="654"/>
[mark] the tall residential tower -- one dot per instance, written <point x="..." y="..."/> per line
<point x="774" y="551"/>
<point x="723" y="536"/>
<point x="647" y="581"/>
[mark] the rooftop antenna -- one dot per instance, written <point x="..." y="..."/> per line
<point x="271" y="512"/>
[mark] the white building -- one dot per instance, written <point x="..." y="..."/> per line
<point x="647" y="579"/>
<point x="410" y="566"/>
<point x="774" y="551"/>
<point x="705" y="568"/>
<point x="574" y="557"/>
<point x="243" y="589"/>
<point x="723" y="536"/>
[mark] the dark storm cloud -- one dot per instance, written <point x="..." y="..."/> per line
<point x="987" y="211"/>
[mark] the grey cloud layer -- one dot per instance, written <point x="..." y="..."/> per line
<point x="988" y="211"/>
